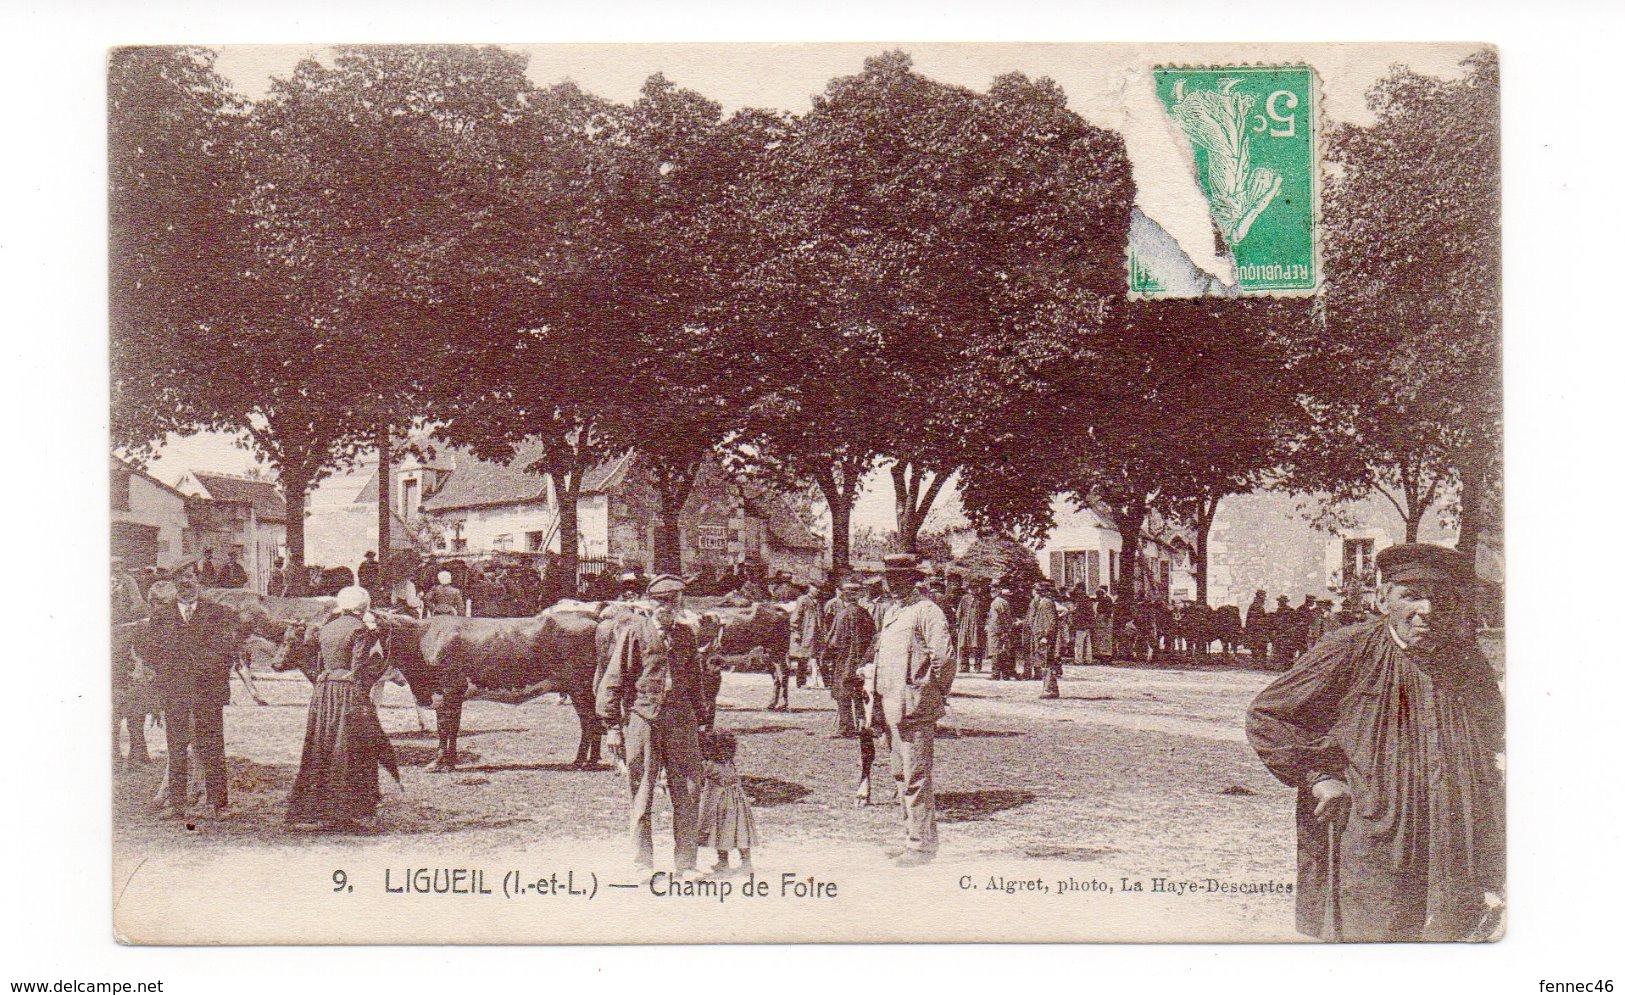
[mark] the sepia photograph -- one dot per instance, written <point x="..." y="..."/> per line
<point x="806" y="493"/>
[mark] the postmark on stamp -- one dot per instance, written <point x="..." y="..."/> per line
<point x="1252" y="133"/>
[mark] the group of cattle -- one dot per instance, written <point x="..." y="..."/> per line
<point x="445" y="660"/>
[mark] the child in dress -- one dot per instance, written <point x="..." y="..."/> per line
<point x="725" y="818"/>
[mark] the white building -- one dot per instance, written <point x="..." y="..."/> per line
<point x="1085" y="549"/>
<point x="150" y="525"/>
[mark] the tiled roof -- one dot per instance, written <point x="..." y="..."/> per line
<point x="261" y="494"/>
<point x="477" y="483"/>
<point x="787" y="529"/>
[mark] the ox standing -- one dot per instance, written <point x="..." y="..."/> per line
<point x="653" y="702"/>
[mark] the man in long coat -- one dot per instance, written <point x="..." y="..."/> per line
<point x="652" y="701"/>
<point x="193" y="646"/>
<point x="1045" y="621"/>
<point x="846" y="648"/>
<point x="972" y="626"/>
<point x="1389" y="730"/>
<point x="1001" y="620"/>
<point x="804" y="632"/>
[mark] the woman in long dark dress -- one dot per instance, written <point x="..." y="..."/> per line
<point x="344" y="742"/>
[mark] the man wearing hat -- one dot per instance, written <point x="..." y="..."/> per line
<point x="851" y="631"/>
<point x="1046" y="625"/>
<point x="445" y="598"/>
<point x="972" y="626"/>
<point x="913" y="674"/>
<point x="1389" y="729"/>
<point x="804" y="633"/>
<point x="192" y="644"/>
<point x="652" y="701"/>
<point x="1001" y="621"/>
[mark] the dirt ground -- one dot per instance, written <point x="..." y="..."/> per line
<point x="1134" y="773"/>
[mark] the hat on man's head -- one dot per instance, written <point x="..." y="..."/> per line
<point x="1418" y="562"/>
<point x="666" y="585"/>
<point x="904" y="563"/>
<point x="851" y="582"/>
<point x="354" y="599"/>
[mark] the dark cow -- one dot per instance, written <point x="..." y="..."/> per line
<point x="760" y="631"/>
<point x="515" y="659"/>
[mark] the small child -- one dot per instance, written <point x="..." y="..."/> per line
<point x="725" y="818"/>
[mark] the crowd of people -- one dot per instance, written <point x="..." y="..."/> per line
<point x="888" y="649"/>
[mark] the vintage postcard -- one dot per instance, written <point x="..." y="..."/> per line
<point x="806" y="493"/>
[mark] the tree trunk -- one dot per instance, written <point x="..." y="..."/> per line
<point x="384" y="476"/>
<point x="1128" y="564"/>
<point x="1413" y="523"/>
<point x="840" y="521"/>
<point x="1206" y="511"/>
<point x="912" y="504"/>
<point x="567" y="488"/>
<point x="674" y="486"/>
<point x="294" y="488"/>
<point x="1471" y="519"/>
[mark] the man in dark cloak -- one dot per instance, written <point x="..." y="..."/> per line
<point x="1389" y="730"/>
<point x="851" y="631"/>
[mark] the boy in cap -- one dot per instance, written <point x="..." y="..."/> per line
<point x="1389" y="730"/>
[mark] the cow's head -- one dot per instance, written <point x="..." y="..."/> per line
<point x="295" y="651"/>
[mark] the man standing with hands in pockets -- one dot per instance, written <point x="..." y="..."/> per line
<point x="914" y="671"/>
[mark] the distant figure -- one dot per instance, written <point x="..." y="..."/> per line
<point x="846" y="647"/>
<point x="207" y="571"/>
<point x="280" y="583"/>
<point x="1001" y="623"/>
<point x="1046" y="628"/>
<point x="367" y="575"/>
<point x="445" y="598"/>
<point x="971" y="626"/>
<point x="804" y="632"/>
<point x="232" y="574"/>
<point x="1102" y="637"/>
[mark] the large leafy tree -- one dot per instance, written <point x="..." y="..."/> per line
<point x="901" y="228"/>
<point x="369" y="200"/>
<point x="1407" y="402"/>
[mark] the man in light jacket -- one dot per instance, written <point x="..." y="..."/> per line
<point x="914" y="672"/>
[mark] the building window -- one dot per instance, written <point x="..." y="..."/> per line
<point x="409" y="498"/>
<point x="713" y="537"/>
<point x="503" y="541"/>
<point x="121" y="491"/>
<point x="536" y="542"/>
<point x="459" y="545"/>
<point x="1359" y="564"/>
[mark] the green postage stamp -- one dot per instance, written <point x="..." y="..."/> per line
<point x="1252" y="132"/>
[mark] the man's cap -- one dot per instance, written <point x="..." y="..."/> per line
<point x="852" y="582"/>
<point x="666" y="584"/>
<point x="903" y="563"/>
<point x="1416" y="562"/>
